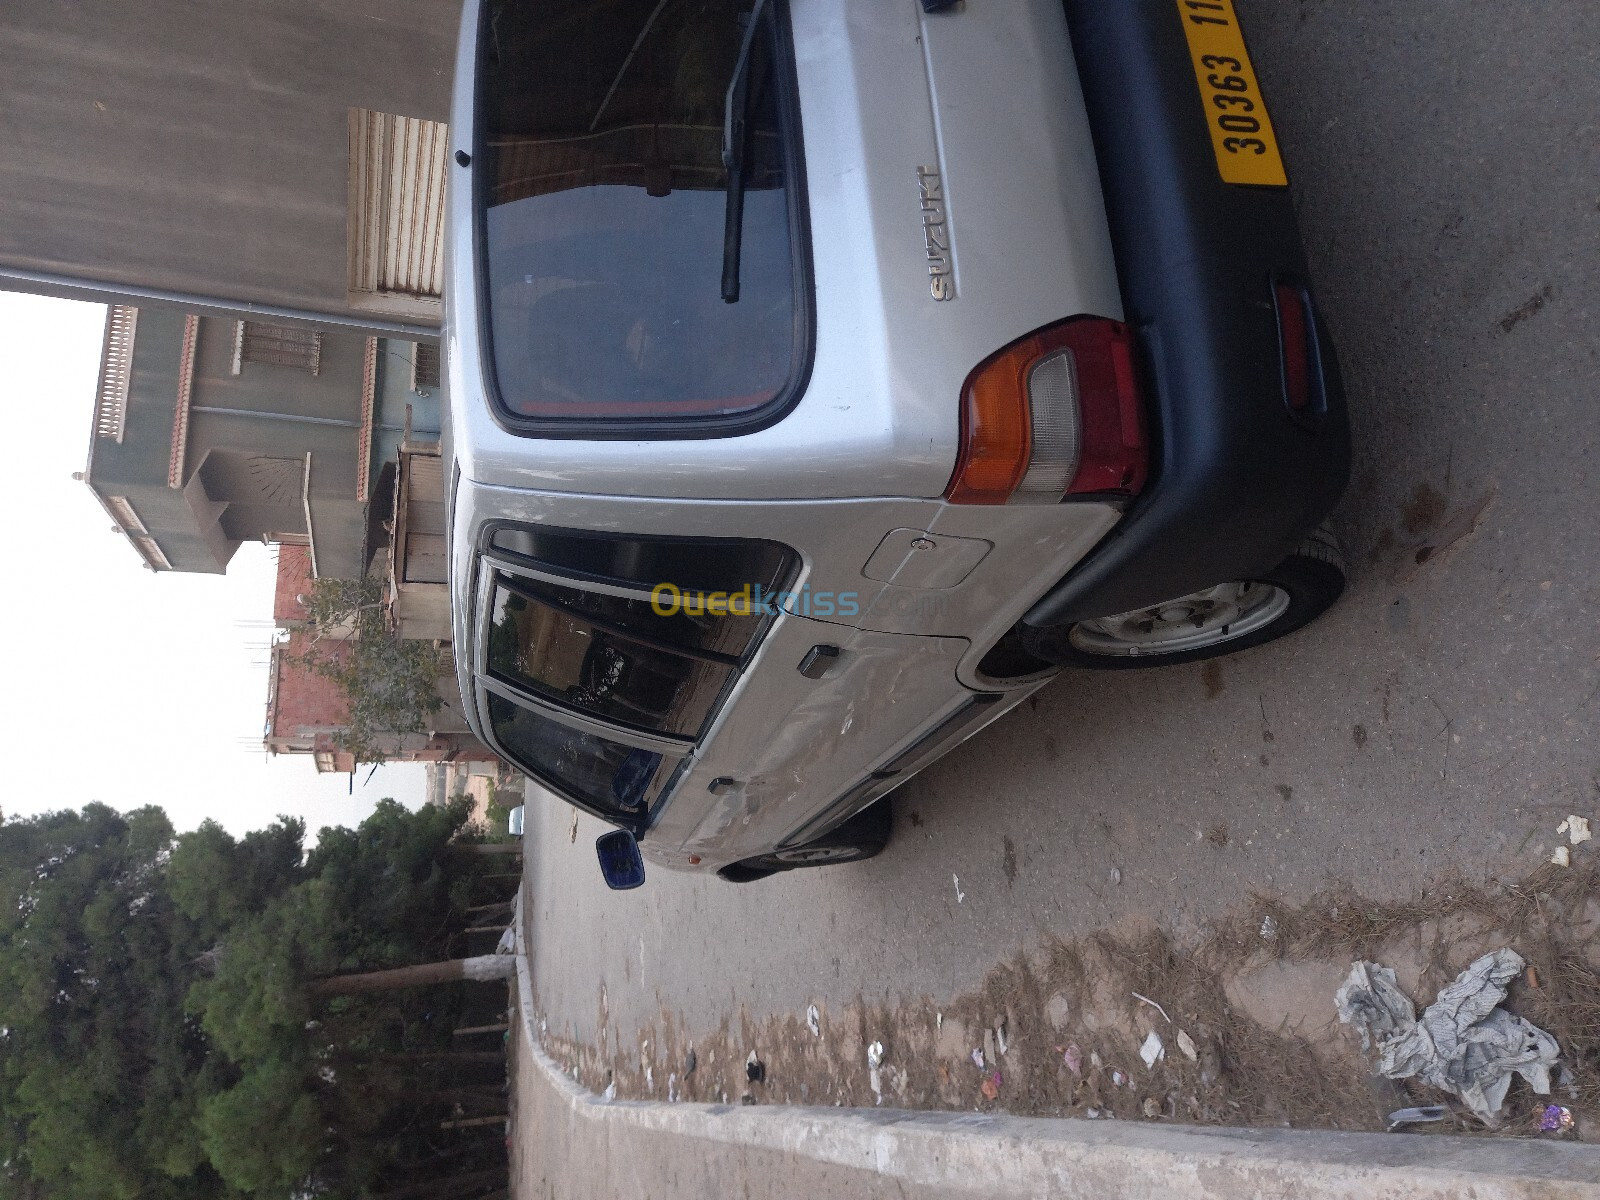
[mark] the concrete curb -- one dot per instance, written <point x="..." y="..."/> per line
<point x="970" y="1154"/>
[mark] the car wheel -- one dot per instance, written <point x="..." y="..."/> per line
<point x="1208" y="623"/>
<point x="863" y="836"/>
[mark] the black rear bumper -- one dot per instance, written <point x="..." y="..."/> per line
<point x="1239" y="478"/>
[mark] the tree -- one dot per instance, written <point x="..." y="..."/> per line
<point x="390" y="684"/>
<point x="102" y="1067"/>
<point x="265" y="1130"/>
<point x="170" y="1026"/>
<point x="218" y="882"/>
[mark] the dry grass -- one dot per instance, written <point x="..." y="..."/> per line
<point x="1243" y="1073"/>
<point x="1551" y="917"/>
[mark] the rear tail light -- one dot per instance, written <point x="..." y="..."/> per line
<point x="1056" y="413"/>
<point x="1294" y="339"/>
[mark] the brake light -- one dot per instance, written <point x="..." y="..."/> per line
<point x="1055" y="413"/>
<point x="1294" y="338"/>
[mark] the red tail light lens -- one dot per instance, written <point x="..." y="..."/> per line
<point x="1055" y="413"/>
<point x="1294" y="338"/>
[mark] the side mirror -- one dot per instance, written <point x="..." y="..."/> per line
<point x="620" y="861"/>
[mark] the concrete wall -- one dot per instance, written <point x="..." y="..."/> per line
<point x="304" y="703"/>
<point x="394" y="393"/>
<point x="292" y="581"/>
<point x="201" y="146"/>
<point x="244" y="468"/>
<point x="423" y="610"/>
<point x="225" y="448"/>
<point x="136" y="467"/>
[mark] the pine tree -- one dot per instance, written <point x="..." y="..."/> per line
<point x="172" y="1026"/>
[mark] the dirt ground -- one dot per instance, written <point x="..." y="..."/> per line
<point x="1245" y="1015"/>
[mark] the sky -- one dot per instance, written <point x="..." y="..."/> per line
<point x="120" y="684"/>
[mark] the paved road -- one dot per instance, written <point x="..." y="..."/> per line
<point x="1446" y="159"/>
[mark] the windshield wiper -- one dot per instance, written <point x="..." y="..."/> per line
<point x="735" y="111"/>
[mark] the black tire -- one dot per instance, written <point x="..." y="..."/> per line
<point x="743" y="872"/>
<point x="862" y="837"/>
<point x="1313" y="577"/>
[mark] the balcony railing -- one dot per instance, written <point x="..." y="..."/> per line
<point x="116" y="366"/>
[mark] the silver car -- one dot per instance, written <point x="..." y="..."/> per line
<point x="824" y="377"/>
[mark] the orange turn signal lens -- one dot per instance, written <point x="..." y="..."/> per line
<point x="996" y="428"/>
<point x="1057" y="412"/>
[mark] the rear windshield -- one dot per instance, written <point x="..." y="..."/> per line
<point x="604" y="206"/>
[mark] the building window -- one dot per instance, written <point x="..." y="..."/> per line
<point x="130" y="524"/>
<point x="425" y="367"/>
<point x="152" y="554"/>
<point x="279" y="345"/>
<point x="126" y="517"/>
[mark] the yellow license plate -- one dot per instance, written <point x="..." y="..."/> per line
<point x="1241" y="132"/>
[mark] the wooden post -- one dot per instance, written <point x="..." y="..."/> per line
<point x="444" y="1056"/>
<point x="465" y="1030"/>
<point x="474" y="1122"/>
<point x="445" y="1185"/>
<point x="483" y="968"/>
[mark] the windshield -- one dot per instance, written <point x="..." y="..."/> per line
<point x="604" y="195"/>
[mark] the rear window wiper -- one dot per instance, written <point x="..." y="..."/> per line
<point x="735" y="111"/>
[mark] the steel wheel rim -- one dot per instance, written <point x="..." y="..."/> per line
<point x="812" y="856"/>
<point x="1202" y="619"/>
